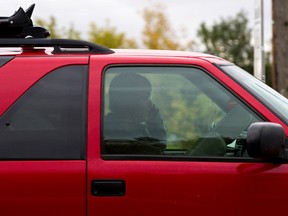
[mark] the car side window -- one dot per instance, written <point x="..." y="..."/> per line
<point x="49" y="120"/>
<point x="171" y="111"/>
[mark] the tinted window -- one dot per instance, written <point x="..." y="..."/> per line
<point x="172" y="111"/>
<point x="271" y="98"/>
<point x="48" y="121"/>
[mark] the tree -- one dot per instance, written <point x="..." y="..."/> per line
<point x="157" y="33"/>
<point x="50" y="25"/>
<point x="268" y="69"/>
<point x="56" y="32"/>
<point x="230" y="39"/>
<point x="72" y="33"/>
<point x="105" y="36"/>
<point x="280" y="46"/>
<point x="108" y="36"/>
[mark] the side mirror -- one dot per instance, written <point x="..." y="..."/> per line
<point x="265" y="140"/>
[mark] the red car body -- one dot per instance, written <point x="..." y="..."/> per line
<point x="155" y="186"/>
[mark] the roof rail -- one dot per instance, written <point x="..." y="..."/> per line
<point x="60" y="46"/>
<point x="20" y="25"/>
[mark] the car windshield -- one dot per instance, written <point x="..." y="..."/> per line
<point x="277" y="103"/>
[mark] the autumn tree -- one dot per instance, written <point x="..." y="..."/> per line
<point x="108" y="36"/>
<point x="158" y="33"/>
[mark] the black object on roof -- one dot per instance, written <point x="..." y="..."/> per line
<point x="20" y="25"/>
<point x="18" y="31"/>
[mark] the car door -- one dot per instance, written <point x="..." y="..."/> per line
<point x="203" y="169"/>
<point x="42" y="136"/>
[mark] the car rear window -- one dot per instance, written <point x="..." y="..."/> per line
<point x="49" y="120"/>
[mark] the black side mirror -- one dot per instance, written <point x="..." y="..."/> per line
<point x="265" y="140"/>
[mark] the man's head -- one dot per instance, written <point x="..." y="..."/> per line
<point x="129" y="94"/>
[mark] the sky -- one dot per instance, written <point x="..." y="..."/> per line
<point x="125" y="15"/>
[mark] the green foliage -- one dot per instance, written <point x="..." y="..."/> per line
<point x="268" y="68"/>
<point x="187" y="112"/>
<point x="174" y="106"/>
<point x="108" y="36"/>
<point x="51" y="25"/>
<point x="56" y="32"/>
<point x="72" y="33"/>
<point x="230" y="39"/>
<point x="105" y="36"/>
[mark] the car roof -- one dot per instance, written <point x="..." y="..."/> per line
<point x="124" y="53"/>
<point x="169" y="53"/>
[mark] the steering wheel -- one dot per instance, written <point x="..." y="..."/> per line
<point x="213" y="143"/>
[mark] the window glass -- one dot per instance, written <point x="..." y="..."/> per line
<point x="271" y="98"/>
<point x="48" y="121"/>
<point x="172" y="111"/>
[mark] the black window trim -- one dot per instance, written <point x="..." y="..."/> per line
<point x="182" y="158"/>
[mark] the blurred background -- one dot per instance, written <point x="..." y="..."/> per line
<point x="224" y="28"/>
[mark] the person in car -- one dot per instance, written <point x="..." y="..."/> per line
<point x="134" y="124"/>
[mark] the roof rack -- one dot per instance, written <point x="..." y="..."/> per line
<point x="18" y="31"/>
<point x="59" y="45"/>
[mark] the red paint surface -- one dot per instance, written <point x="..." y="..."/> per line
<point x="43" y="188"/>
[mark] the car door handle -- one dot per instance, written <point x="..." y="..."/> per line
<point x="108" y="188"/>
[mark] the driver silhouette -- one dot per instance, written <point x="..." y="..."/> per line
<point x="134" y="124"/>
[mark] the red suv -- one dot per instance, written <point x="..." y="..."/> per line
<point x="85" y="130"/>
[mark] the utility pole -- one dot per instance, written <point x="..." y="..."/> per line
<point x="280" y="46"/>
<point x="259" y="59"/>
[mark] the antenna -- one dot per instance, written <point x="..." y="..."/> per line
<point x="20" y="25"/>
